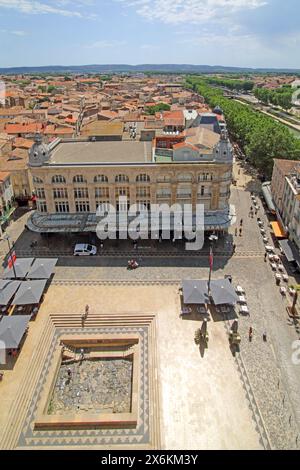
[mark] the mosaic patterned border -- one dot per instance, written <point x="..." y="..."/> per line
<point x="30" y="437"/>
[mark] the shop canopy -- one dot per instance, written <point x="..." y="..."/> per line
<point x="222" y="292"/>
<point x="278" y="230"/>
<point x="7" y="290"/>
<point x="12" y="330"/>
<point x="30" y="292"/>
<point x="266" y="190"/>
<point x="42" y="268"/>
<point x="195" y="292"/>
<point x="290" y="251"/>
<point x="22" y="266"/>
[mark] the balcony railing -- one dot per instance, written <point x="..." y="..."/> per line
<point x="163" y="196"/>
<point x="184" y="195"/>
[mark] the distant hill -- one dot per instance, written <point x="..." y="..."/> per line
<point x="123" y="68"/>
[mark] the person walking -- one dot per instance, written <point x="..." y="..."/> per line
<point x="265" y="257"/>
<point x="250" y="334"/>
<point x="241" y="231"/>
<point x="265" y="336"/>
<point x="241" y="222"/>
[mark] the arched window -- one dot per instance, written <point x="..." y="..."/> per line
<point x="79" y="179"/>
<point x="58" y="179"/>
<point x="100" y="179"/>
<point x="37" y="180"/>
<point x="143" y="178"/>
<point x="122" y="179"/>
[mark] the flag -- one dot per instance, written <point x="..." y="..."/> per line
<point x="12" y="259"/>
<point x="211" y="259"/>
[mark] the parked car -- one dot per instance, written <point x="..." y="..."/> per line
<point x="85" y="250"/>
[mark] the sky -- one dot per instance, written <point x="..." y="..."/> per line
<point x="246" y="33"/>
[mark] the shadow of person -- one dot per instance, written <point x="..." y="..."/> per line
<point x="202" y="347"/>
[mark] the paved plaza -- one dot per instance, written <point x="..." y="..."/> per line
<point x="208" y="401"/>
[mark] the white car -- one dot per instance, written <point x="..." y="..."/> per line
<point x="85" y="250"/>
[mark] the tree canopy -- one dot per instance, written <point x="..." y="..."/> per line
<point x="279" y="97"/>
<point x="261" y="137"/>
<point x="157" y="108"/>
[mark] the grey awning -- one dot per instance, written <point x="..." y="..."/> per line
<point x="222" y="292"/>
<point x="195" y="292"/>
<point x="30" y="292"/>
<point x="290" y="251"/>
<point x="7" y="290"/>
<point x="42" y="268"/>
<point x="22" y="266"/>
<point x="12" y="330"/>
<point x="266" y="190"/>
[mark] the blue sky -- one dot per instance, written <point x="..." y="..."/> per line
<point x="254" y="33"/>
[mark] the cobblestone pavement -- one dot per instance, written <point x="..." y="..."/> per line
<point x="274" y="379"/>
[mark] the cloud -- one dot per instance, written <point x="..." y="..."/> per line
<point x="190" y="11"/>
<point x="149" y="47"/>
<point x="104" y="44"/>
<point x="15" y="33"/>
<point x="33" y="7"/>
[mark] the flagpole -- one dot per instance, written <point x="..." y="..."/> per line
<point x="210" y="266"/>
<point x="11" y="256"/>
<point x="212" y="239"/>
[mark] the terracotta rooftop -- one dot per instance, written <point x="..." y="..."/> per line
<point x="19" y="142"/>
<point x="285" y="166"/>
<point x="24" y="128"/>
<point x="4" y="175"/>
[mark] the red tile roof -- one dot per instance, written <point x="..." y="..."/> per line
<point x="25" y="128"/>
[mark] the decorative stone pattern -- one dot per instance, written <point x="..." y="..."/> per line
<point x="91" y="437"/>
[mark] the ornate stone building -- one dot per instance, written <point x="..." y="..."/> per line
<point x="72" y="178"/>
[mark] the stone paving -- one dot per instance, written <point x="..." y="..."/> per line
<point x="274" y="379"/>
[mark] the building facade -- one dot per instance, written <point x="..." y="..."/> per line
<point x="285" y="188"/>
<point x="6" y="199"/>
<point x="73" y="178"/>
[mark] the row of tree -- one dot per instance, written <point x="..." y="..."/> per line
<point x="232" y="84"/>
<point x="279" y="97"/>
<point x="261" y="137"/>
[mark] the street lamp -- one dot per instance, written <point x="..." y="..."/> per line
<point x="212" y="239"/>
<point x="7" y="238"/>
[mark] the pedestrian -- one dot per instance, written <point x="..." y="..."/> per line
<point x="236" y="232"/>
<point x="81" y="354"/>
<point x="250" y="333"/>
<point x="69" y="372"/>
<point x="265" y="336"/>
<point x="234" y="247"/>
<point x="266" y="255"/>
<point x="241" y="222"/>
<point x="241" y="230"/>
<point x="87" y="309"/>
